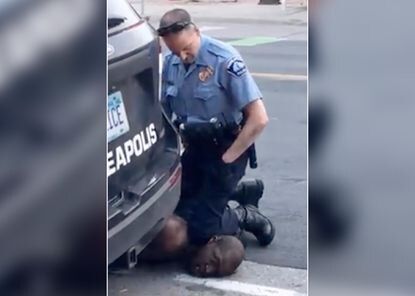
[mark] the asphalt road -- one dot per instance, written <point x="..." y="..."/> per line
<point x="282" y="151"/>
<point x="280" y="69"/>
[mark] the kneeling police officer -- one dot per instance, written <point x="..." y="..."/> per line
<point x="218" y="108"/>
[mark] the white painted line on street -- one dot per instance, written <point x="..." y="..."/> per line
<point x="237" y="287"/>
<point x="281" y="76"/>
<point x="210" y="28"/>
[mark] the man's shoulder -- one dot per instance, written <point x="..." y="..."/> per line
<point x="220" y="49"/>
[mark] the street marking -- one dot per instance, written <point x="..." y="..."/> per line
<point x="238" y="287"/>
<point x="253" y="41"/>
<point x="281" y="76"/>
<point x="210" y="28"/>
<point x="294" y="4"/>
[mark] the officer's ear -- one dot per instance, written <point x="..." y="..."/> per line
<point x="197" y="30"/>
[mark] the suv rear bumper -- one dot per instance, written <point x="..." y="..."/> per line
<point x="140" y="227"/>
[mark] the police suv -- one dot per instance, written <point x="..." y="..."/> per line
<point x="143" y="156"/>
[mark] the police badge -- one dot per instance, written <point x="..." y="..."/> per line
<point x="205" y="73"/>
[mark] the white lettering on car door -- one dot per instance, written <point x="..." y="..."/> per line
<point x="120" y="158"/>
<point x="153" y="134"/>
<point x="130" y="149"/>
<point x="110" y="163"/>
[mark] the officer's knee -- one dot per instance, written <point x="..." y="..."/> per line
<point x="173" y="237"/>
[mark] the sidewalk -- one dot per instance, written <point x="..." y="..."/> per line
<point x="246" y="11"/>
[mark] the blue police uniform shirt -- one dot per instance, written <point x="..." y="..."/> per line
<point x="218" y="82"/>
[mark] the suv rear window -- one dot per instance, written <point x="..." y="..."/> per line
<point x="121" y="15"/>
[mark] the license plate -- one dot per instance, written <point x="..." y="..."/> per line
<point x="117" y="121"/>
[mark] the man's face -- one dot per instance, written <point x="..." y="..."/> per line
<point x="185" y="44"/>
<point x="206" y="263"/>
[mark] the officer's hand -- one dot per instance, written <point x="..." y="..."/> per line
<point x="257" y="119"/>
<point x="227" y="157"/>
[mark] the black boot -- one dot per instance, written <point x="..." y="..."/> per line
<point x="251" y="220"/>
<point x="248" y="192"/>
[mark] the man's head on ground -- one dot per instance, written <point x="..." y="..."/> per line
<point x="221" y="256"/>
<point x="179" y="33"/>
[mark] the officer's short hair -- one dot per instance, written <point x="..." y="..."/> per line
<point x="174" y="21"/>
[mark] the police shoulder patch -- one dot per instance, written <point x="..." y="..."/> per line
<point x="236" y="67"/>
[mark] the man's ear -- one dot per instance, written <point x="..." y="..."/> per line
<point x="214" y="239"/>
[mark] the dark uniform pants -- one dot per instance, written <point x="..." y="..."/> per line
<point x="207" y="184"/>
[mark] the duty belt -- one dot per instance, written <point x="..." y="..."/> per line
<point x="213" y="134"/>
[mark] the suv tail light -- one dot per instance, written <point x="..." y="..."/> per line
<point x="175" y="178"/>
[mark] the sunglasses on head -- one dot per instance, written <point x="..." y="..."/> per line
<point x="174" y="28"/>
